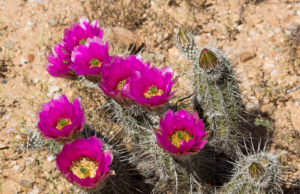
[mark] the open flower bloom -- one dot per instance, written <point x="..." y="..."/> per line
<point x="79" y="33"/>
<point x="115" y="77"/>
<point x="83" y="163"/>
<point x="181" y="133"/>
<point x="152" y="90"/>
<point x="59" y="63"/>
<point x="60" y="120"/>
<point x="90" y="58"/>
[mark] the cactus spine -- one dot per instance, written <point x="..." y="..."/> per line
<point x="216" y="88"/>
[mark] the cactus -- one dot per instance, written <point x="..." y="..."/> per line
<point x="30" y="139"/>
<point x="166" y="172"/>
<point x="256" y="172"/>
<point x="216" y="89"/>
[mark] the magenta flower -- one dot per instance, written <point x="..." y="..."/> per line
<point x="90" y="58"/>
<point x="61" y="120"/>
<point x="116" y="75"/>
<point x="152" y="90"/>
<point x="83" y="163"/>
<point x="181" y="133"/>
<point x="79" y="33"/>
<point x="59" y="63"/>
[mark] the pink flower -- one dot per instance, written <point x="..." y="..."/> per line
<point x="181" y="133"/>
<point x="59" y="63"/>
<point x="90" y="58"/>
<point x="60" y="120"/>
<point x="153" y="89"/>
<point x="115" y="77"/>
<point x="83" y="163"/>
<point x="80" y="32"/>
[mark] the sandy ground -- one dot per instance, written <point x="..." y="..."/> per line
<point x="262" y="36"/>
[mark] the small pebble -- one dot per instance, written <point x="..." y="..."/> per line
<point x="271" y="34"/>
<point x="16" y="167"/>
<point x="29" y="161"/>
<point x="35" y="191"/>
<point x="52" y="90"/>
<point x="50" y="158"/>
<point x="26" y="183"/>
<point x="262" y="55"/>
<point x="30" y="58"/>
<point x="52" y="23"/>
<point x="277" y="50"/>
<point x="7" y="117"/>
<point x="23" y="61"/>
<point x="160" y="58"/>
<point x="274" y="72"/>
<point x="287" y="32"/>
<point x="277" y="30"/>
<point x="30" y="24"/>
<point x="9" y="45"/>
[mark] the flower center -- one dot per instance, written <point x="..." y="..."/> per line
<point x="153" y="91"/>
<point x="95" y="63"/>
<point x="83" y="41"/>
<point x="179" y="136"/>
<point x="84" y="168"/>
<point x="66" y="62"/>
<point x="121" y="84"/>
<point x="63" y="122"/>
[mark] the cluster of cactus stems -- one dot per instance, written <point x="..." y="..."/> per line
<point x="216" y="89"/>
<point x="161" y="171"/>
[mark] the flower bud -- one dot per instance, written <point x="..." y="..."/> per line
<point x="184" y="38"/>
<point x="208" y="60"/>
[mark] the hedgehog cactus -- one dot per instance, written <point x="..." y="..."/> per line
<point x="216" y="88"/>
<point x="256" y="172"/>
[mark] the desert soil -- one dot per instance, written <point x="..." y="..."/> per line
<point x="261" y="36"/>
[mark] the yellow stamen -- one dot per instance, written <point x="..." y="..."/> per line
<point x="179" y="136"/>
<point x="153" y="91"/>
<point x="63" y="122"/>
<point x="95" y="63"/>
<point x="121" y="84"/>
<point x="84" y="168"/>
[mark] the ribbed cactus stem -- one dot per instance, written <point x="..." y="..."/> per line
<point x="216" y="90"/>
<point x="219" y="99"/>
